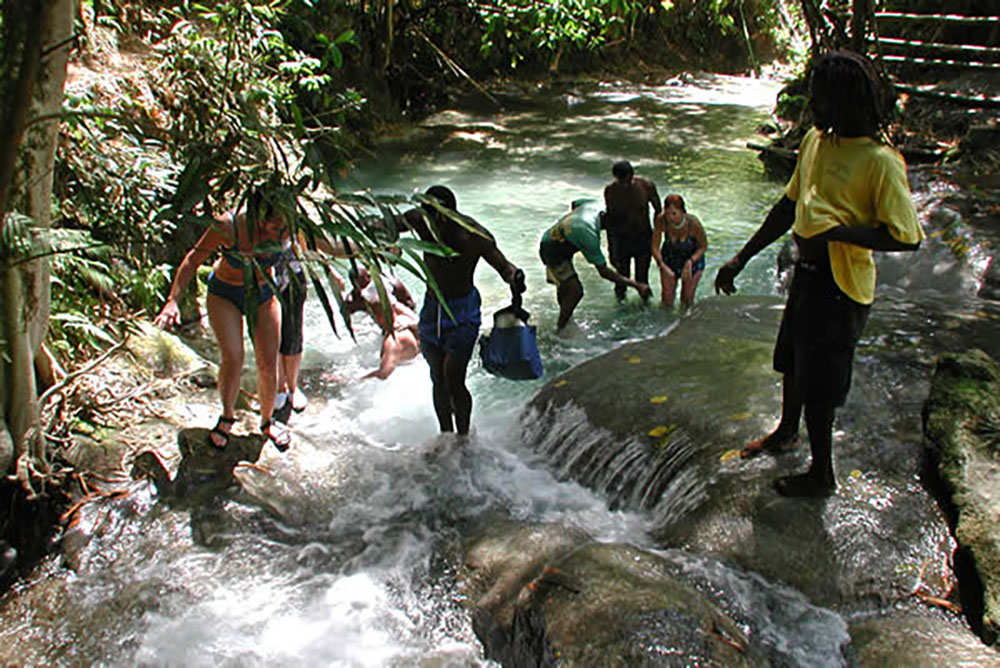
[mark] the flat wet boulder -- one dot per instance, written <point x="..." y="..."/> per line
<point x="201" y="467"/>
<point x="962" y="425"/>
<point x="548" y="595"/>
<point x="657" y="425"/>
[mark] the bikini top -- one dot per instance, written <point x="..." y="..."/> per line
<point x="234" y="258"/>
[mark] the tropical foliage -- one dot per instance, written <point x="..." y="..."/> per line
<point x="229" y="94"/>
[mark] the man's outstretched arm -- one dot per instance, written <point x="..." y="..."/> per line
<point x="610" y="274"/>
<point x="779" y="220"/>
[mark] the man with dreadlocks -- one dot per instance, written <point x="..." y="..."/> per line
<point x="848" y="197"/>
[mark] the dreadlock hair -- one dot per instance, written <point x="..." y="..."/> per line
<point x="847" y="96"/>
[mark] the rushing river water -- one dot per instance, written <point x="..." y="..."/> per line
<point x="349" y="571"/>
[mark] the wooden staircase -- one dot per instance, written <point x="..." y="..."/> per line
<point x="922" y="43"/>
<point x="925" y="46"/>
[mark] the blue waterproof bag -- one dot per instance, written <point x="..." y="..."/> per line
<point x="511" y="348"/>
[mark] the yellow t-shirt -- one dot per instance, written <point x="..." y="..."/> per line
<point x="855" y="182"/>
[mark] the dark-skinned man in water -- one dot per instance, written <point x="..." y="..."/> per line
<point x="447" y="342"/>
<point x="630" y="236"/>
<point x="848" y="197"/>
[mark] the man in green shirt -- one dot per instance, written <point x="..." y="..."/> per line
<point x="578" y="230"/>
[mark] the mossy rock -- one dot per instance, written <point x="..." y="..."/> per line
<point x="163" y="353"/>
<point x="962" y="428"/>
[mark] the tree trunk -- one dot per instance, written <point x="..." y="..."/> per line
<point x="859" y="24"/>
<point x="819" y="28"/>
<point x="31" y="86"/>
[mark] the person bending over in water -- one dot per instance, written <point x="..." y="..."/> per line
<point x="579" y="230"/>
<point x="448" y="341"/>
<point x="848" y="197"/>
<point x="254" y="234"/>
<point x="400" y="338"/>
<point x="681" y="255"/>
<point x="627" y="200"/>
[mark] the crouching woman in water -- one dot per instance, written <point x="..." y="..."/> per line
<point x="242" y="237"/>
<point x="679" y="245"/>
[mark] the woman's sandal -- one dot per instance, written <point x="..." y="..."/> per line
<point x="223" y="434"/>
<point x="277" y="433"/>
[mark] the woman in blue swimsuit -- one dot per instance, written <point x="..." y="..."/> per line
<point x="679" y="245"/>
<point x="239" y="245"/>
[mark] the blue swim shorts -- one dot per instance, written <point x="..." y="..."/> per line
<point x="234" y="293"/>
<point x="441" y="334"/>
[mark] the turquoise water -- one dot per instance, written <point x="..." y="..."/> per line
<point x="517" y="170"/>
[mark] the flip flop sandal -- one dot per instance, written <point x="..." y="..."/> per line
<point x="219" y="431"/>
<point x="282" y="414"/>
<point x="277" y="433"/>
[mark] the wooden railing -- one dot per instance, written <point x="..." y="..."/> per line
<point x="934" y="53"/>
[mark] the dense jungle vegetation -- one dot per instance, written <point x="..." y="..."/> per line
<point x="172" y="111"/>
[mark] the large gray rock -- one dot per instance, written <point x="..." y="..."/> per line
<point x="962" y="425"/>
<point x="548" y="595"/>
<point x="910" y="642"/>
<point x="657" y="426"/>
<point x="661" y="431"/>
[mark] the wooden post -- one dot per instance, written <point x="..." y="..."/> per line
<point x="859" y="24"/>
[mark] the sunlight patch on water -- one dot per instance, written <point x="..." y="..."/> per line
<point x="712" y="89"/>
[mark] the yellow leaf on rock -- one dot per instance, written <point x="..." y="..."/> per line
<point x="559" y="383"/>
<point x="663" y="433"/>
<point x="634" y="360"/>
<point x="741" y="416"/>
<point x="729" y="455"/>
<point x="658" y="399"/>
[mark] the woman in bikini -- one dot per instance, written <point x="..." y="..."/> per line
<point x="679" y="245"/>
<point x="242" y="239"/>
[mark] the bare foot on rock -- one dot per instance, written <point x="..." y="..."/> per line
<point x="773" y="444"/>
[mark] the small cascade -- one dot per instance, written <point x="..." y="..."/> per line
<point x="628" y="473"/>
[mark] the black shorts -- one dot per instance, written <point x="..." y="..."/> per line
<point x="819" y="331"/>
<point x="623" y="248"/>
<point x="293" y="299"/>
